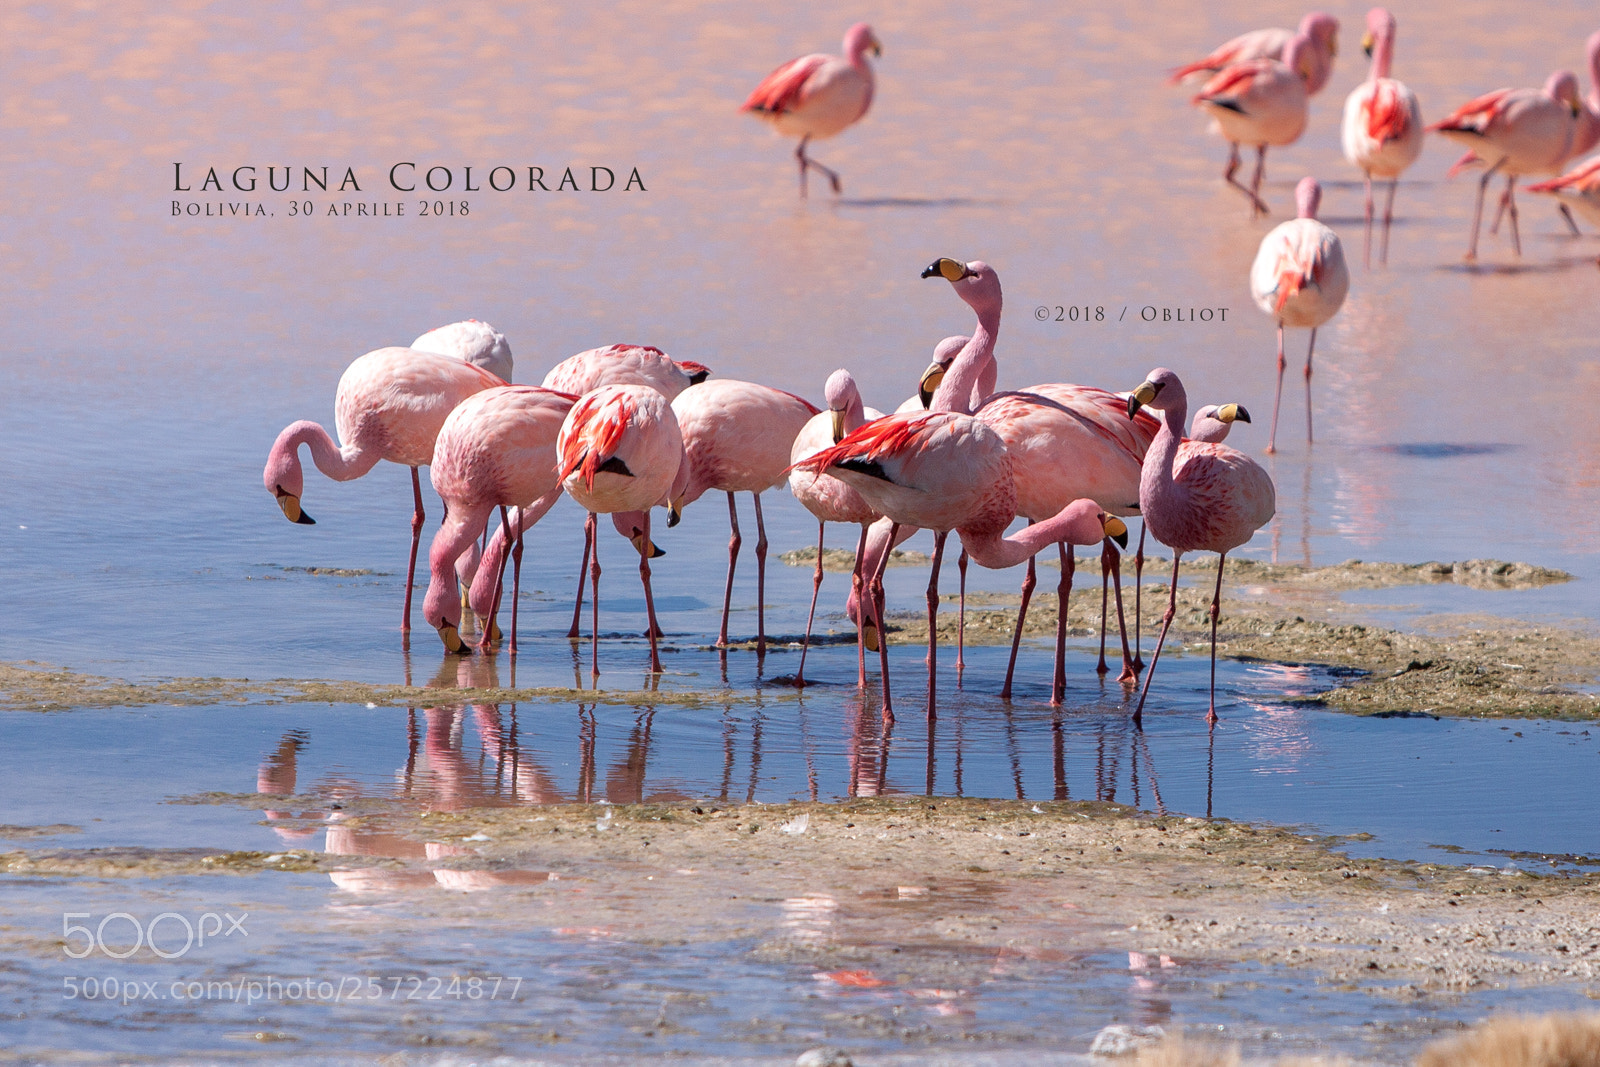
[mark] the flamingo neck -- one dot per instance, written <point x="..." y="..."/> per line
<point x="340" y="464"/>
<point x="1158" y="491"/>
<point x="458" y="534"/>
<point x="855" y="413"/>
<point x="971" y="364"/>
<point x="1073" y="525"/>
<point x="1382" y="55"/>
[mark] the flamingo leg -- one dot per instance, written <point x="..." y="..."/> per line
<point x="1029" y="580"/>
<point x="1499" y="213"/>
<point x="733" y="559"/>
<point x="491" y="627"/>
<point x="961" y="619"/>
<point x="416" y="538"/>
<point x="649" y="600"/>
<point x="1105" y="587"/>
<point x="1129" y="673"/>
<point x="1228" y="176"/>
<point x="1277" y="397"/>
<point x="1388" y="218"/>
<point x="577" y="606"/>
<point x="1511" y="209"/>
<point x="933" y="619"/>
<point x="1477" y="211"/>
<point x="800" y="156"/>
<point x="1572" y="224"/>
<point x="1366" y="244"/>
<point x="1309" y="349"/>
<point x="1058" y="683"/>
<point x="876" y="591"/>
<point x="761" y="580"/>
<point x="592" y="530"/>
<point x="1138" y="602"/>
<point x="806" y="162"/>
<point x="816" y="587"/>
<point x="1216" y="610"/>
<point x="516" y="590"/>
<point x="1258" y="205"/>
<point x="858" y="586"/>
<point x="1166" y="621"/>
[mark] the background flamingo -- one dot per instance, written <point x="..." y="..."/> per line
<point x="390" y="404"/>
<point x="736" y="438"/>
<point x="1382" y="131"/>
<point x="1195" y="496"/>
<point x="620" y="450"/>
<point x="476" y="342"/>
<point x="1320" y="27"/>
<point x="1578" y="187"/>
<point x="944" y="353"/>
<point x="1260" y="102"/>
<point x="497" y="449"/>
<point x="1212" y="423"/>
<point x="625" y="365"/>
<point x="1299" y="276"/>
<point x="819" y="96"/>
<point x="829" y="499"/>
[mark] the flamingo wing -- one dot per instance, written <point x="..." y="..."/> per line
<point x="598" y="424"/>
<point x="1230" y="83"/>
<point x="781" y="90"/>
<point x="866" y="448"/>
<point x="1583" y="178"/>
<point x="1301" y="261"/>
<point x="1387" y="114"/>
<point x="1475" y="115"/>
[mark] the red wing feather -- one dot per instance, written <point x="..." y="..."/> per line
<point x="780" y="90"/>
<point x="1215" y="61"/>
<point x="1387" y="117"/>
<point x="1230" y="81"/>
<point x="892" y="435"/>
<point x="1475" y="115"/>
<point x="1575" y="179"/>
<point x="597" y="430"/>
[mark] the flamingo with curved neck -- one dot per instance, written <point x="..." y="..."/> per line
<point x="1382" y="129"/>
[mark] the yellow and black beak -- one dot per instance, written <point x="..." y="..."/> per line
<point x="674" y="513"/>
<point x="1366" y="44"/>
<point x="1233" y="413"/>
<point x="290" y="504"/>
<point x="876" y="47"/>
<point x="452" y="640"/>
<point x="1141" y="396"/>
<point x="1115" y="529"/>
<point x="838" y="425"/>
<point x="648" y="549"/>
<point x="951" y="270"/>
<point x="930" y="383"/>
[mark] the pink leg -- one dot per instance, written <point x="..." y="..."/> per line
<point x="1138" y="603"/>
<point x="858" y="586"/>
<point x="1258" y="205"/>
<point x="416" y="539"/>
<point x="1058" y="684"/>
<point x="961" y="619"/>
<point x="1029" y="580"/>
<point x="733" y="558"/>
<point x="878" y="607"/>
<point x="1511" y="209"/>
<point x="807" y="162"/>
<point x="1228" y="176"/>
<point x="800" y="156"/>
<point x="933" y="618"/>
<point x="594" y="597"/>
<point x="1129" y="673"/>
<point x="516" y="590"/>
<point x="1166" y="621"/>
<point x="1216" y="602"/>
<point x="649" y="600"/>
<point x="816" y="587"/>
<point x="1366" y="244"/>
<point x="761" y="581"/>
<point x="1477" y="211"/>
<point x="491" y="627"/>
<point x="1272" y="436"/>
<point x="1105" y="588"/>
<point x="1499" y="213"/>
<point x="1388" y="217"/>
<point x="1309" y="349"/>
<point x="577" y="605"/>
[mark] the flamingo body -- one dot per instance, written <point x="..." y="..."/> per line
<point x="624" y="365"/>
<point x="737" y="436"/>
<point x="1578" y="187"/>
<point x="475" y="342"/>
<point x="1321" y="28"/>
<point x="1257" y="102"/>
<point x="1382" y="131"/>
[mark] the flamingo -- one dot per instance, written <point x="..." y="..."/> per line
<point x="944" y="354"/>
<point x="1194" y="496"/>
<point x="1300" y="278"/>
<point x="1260" y="102"/>
<point x="1578" y="187"/>
<point x="497" y="448"/>
<point x="1525" y="131"/>
<point x="1322" y="28"/>
<point x="829" y="499"/>
<point x="1382" y="131"/>
<point x="625" y="365"/>
<point x="390" y="404"/>
<point x="946" y="471"/>
<point x="476" y="342"/>
<point x="736" y="438"/>
<point x="1212" y="422"/>
<point x="819" y="96"/>
<point x="620" y="450"/>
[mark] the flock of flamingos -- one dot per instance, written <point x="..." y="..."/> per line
<point x="626" y="428"/>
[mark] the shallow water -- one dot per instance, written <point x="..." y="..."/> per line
<point x="150" y="360"/>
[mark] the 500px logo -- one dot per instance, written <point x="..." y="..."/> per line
<point x="169" y="924"/>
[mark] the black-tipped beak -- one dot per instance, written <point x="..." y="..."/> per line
<point x="951" y="270"/>
<point x="674" y="515"/>
<point x="1240" y="414"/>
<point x="1116" y="529"/>
<point x="289" y="504"/>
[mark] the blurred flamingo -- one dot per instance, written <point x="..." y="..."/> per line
<point x="1299" y="276"/>
<point x="819" y="96"/>
<point x="1195" y="496"/>
<point x="1382" y="132"/>
<point x="625" y="365"/>
<point x="1320" y="27"/>
<point x="476" y="342"/>
<point x="1260" y="102"/>
<point x="1578" y="187"/>
<point x="736" y="438"/>
<point x="390" y="404"/>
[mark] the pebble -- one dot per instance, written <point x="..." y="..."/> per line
<point x="824" y="1057"/>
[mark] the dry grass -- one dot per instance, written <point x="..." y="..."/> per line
<point x="1177" y="1051"/>
<point x="1522" y="1041"/>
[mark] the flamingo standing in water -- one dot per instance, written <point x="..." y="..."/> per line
<point x="1578" y="187"/>
<point x="620" y="450"/>
<point x="476" y="342"/>
<point x="1524" y="131"/>
<point x="1260" y="102"/>
<point x="1194" y="496"/>
<point x="1320" y="27"/>
<point x="497" y="449"/>
<point x="625" y="365"/>
<point x="1382" y="131"/>
<point x="819" y="96"/>
<point x="390" y="404"/>
<point x="829" y="499"/>
<point x="1300" y="278"/>
<point x="736" y="438"/>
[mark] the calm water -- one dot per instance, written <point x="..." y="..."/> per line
<point x="151" y="359"/>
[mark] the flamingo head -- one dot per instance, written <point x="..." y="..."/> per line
<point x="1160" y="390"/>
<point x="944" y="353"/>
<point x="645" y="547"/>
<point x="859" y="40"/>
<point x="843" y="398"/>
<point x="1380" y="26"/>
<point x="1301" y="56"/>
<point x="1323" y="29"/>
<point x="1087" y="524"/>
<point x="1563" y="86"/>
<point x="285" y="479"/>
<point x="975" y="282"/>
<point x="1308" y="197"/>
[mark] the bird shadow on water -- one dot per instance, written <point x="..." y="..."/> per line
<point x="1554" y="266"/>
<point x="1443" y="449"/>
<point x="916" y="202"/>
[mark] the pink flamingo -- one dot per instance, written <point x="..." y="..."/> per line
<point x="625" y="365"/>
<point x="1525" y="131"/>
<point x="1299" y="276"/>
<point x="819" y="96"/>
<point x="1260" y="102"/>
<point x="497" y="449"/>
<point x="1212" y="422"/>
<point x="736" y="439"/>
<point x="476" y="342"/>
<point x="1194" y="496"/>
<point x="1320" y="27"/>
<point x="829" y="499"/>
<point x="1382" y="131"/>
<point x="944" y="354"/>
<point x="1578" y="187"/>
<point x="390" y="404"/>
<point x="620" y="450"/>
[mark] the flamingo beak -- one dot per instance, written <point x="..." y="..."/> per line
<point x="675" y="513"/>
<point x="877" y="48"/>
<point x="466" y="599"/>
<point x="1366" y="44"/>
<point x="452" y="640"/>
<point x="291" y="509"/>
<point x="869" y="636"/>
<point x="493" y="634"/>
<point x="1115" y="529"/>
<point x="648" y="549"/>
<point x="1140" y="397"/>
<point x="930" y="383"/>
<point x="838" y="425"/>
<point x="951" y="270"/>
<point x="1233" y="413"/>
